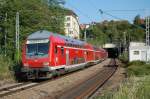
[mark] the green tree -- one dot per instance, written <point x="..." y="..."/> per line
<point x="137" y="20"/>
<point x="34" y="15"/>
<point x="116" y="32"/>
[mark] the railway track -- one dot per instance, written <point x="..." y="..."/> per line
<point x="15" y="88"/>
<point x="85" y="89"/>
<point x="23" y="86"/>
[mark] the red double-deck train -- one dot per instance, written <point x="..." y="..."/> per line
<point x="46" y="54"/>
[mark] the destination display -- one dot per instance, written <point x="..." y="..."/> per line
<point x="37" y="41"/>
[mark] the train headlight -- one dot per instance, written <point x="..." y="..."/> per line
<point x="46" y="63"/>
<point x="26" y="64"/>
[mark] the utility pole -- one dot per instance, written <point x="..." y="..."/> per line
<point x="5" y="40"/>
<point x="17" y="35"/>
<point x="85" y="34"/>
<point x="101" y="12"/>
<point x="147" y="31"/>
<point x="125" y="40"/>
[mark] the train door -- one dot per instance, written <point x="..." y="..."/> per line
<point x="94" y="56"/>
<point x="62" y="56"/>
<point x="67" y="57"/>
<point x="85" y="56"/>
<point x="56" y="55"/>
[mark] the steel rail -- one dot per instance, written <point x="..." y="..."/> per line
<point x="86" y="88"/>
<point x="15" y="88"/>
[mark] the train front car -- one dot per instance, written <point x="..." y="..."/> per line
<point x="46" y="54"/>
<point x="35" y="55"/>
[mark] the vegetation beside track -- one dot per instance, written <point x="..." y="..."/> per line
<point x="5" y="64"/>
<point x="34" y="15"/>
<point x="137" y="85"/>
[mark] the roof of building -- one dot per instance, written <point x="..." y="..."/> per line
<point x="70" y="12"/>
<point x="137" y="44"/>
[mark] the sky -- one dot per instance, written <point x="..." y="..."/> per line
<point x="88" y="10"/>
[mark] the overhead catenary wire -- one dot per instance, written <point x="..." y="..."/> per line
<point x="83" y="14"/>
<point x="118" y="18"/>
<point x="126" y="10"/>
<point x="104" y="12"/>
<point x="107" y="12"/>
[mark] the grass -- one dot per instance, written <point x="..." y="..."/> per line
<point x="138" y="68"/>
<point x="137" y="86"/>
<point x="5" y="64"/>
<point x="134" y="88"/>
<point x="124" y="57"/>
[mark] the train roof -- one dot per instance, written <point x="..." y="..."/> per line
<point x="70" y="40"/>
<point x="44" y="34"/>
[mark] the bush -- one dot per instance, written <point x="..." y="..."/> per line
<point x="134" y="88"/>
<point x="124" y="57"/>
<point x="138" y="68"/>
<point x="5" y="64"/>
<point x="137" y="86"/>
<point x="138" y="63"/>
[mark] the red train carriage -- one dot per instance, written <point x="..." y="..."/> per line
<point x="46" y="54"/>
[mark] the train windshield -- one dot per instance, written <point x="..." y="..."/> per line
<point x="37" y="49"/>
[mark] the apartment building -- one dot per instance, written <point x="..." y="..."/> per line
<point x="72" y="28"/>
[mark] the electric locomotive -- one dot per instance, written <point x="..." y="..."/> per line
<point x="46" y="54"/>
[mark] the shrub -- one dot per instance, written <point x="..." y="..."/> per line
<point x="5" y="64"/>
<point x="134" y="88"/>
<point x="138" y="68"/>
<point x="124" y="57"/>
<point x="136" y="63"/>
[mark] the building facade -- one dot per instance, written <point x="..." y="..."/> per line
<point x="72" y="28"/>
<point x="138" y="51"/>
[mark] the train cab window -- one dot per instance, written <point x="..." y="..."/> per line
<point x="62" y="50"/>
<point x="56" y="49"/>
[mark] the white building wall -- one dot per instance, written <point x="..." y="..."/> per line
<point x="72" y="28"/>
<point x="139" y="52"/>
<point x="138" y="55"/>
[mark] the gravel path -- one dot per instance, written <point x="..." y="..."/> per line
<point x="51" y="89"/>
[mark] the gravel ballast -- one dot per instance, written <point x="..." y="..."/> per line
<point x="53" y="88"/>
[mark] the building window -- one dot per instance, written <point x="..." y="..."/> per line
<point x="68" y="18"/>
<point x="68" y="24"/>
<point x="136" y="52"/>
<point x="71" y="32"/>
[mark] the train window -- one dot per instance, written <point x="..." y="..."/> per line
<point x="56" y="49"/>
<point x="66" y="39"/>
<point x="62" y="50"/>
<point x="70" y="44"/>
